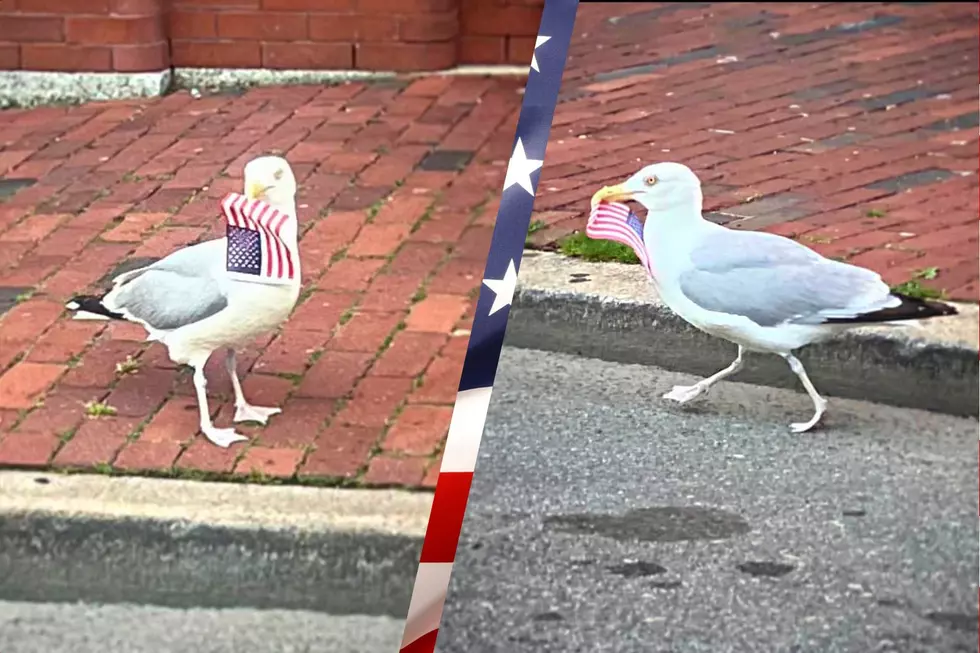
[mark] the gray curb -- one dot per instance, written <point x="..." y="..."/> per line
<point x="23" y="88"/>
<point x="609" y="311"/>
<point x="195" y="544"/>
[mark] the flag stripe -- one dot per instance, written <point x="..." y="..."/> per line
<point x="259" y="213"/>
<point x="614" y="221"/>
<point x="277" y="222"/>
<point x="446" y="517"/>
<point x="260" y="216"/>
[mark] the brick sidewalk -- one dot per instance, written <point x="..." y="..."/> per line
<point x="852" y="127"/>
<point x="398" y="185"/>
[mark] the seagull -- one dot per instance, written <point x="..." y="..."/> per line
<point x="761" y="291"/>
<point x="196" y="300"/>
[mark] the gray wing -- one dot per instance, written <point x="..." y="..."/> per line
<point x="202" y="259"/>
<point x="773" y="280"/>
<point x="180" y="289"/>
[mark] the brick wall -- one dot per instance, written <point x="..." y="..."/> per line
<point x="498" y="31"/>
<point x="83" y="35"/>
<point x="150" y="35"/>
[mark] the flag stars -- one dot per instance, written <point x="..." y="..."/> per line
<point x="503" y="289"/>
<point x="541" y="40"/>
<point x="520" y="168"/>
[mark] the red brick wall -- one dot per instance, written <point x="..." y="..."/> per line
<point x="83" y="35"/>
<point x="150" y="35"/>
<point x="498" y="31"/>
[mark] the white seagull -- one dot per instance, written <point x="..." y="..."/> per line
<point x="192" y="303"/>
<point x="761" y="291"/>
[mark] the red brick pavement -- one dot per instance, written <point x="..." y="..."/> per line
<point x="850" y="126"/>
<point x="393" y="245"/>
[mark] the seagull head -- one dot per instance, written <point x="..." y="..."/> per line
<point x="270" y="179"/>
<point x="660" y="188"/>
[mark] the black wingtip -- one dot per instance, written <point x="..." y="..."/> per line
<point x="91" y="304"/>
<point x="911" y="308"/>
<point x="924" y="308"/>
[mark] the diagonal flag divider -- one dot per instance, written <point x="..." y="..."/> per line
<point x="489" y="326"/>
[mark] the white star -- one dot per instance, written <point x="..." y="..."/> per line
<point x="534" y="57"/>
<point x="520" y="168"/>
<point x="503" y="289"/>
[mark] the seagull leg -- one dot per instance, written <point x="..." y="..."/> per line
<point x="819" y="403"/>
<point x="684" y="393"/>
<point x="244" y="411"/>
<point x="222" y="437"/>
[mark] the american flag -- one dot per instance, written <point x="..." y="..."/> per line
<point x="256" y="249"/>
<point x="615" y="221"/>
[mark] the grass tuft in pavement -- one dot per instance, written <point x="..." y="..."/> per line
<point x="128" y="366"/>
<point x="578" y="245"/>
<point x="98" y="409"/>
<point x="914" y="287"/>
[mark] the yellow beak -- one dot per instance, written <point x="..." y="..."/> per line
<point x="254" y="190"/>
<point x="611" y="194"/>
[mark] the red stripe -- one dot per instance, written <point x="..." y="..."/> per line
<point x="275" y="241"/>
<point x="287" y="254"/>
<point x="241" y="215"/>
<point x="232" y="212"/>
<point x="271" y="220"/>
<point x="624" y="231"/>
<point x="256" y="225"/>
<point x="260" y="221"/>
<point x="424" y="644"/>
<point x="607" y="221"/>
<point x="274" y="221"/>
<point x="289" y="261"/>
<point x="619" y="232"/>
<point x="446" y="517"/>
<point x="249" y="212"/>
<point x="227" y="203"/>
<point x="236" y="210"/>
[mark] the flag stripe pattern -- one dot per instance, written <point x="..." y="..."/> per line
<point x="487" y="333"/>
<point x="614" y="221"/>
<point x="256" y="248"/>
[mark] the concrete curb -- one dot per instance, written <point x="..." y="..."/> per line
<point x="220" y="78"/>
<point x="26" y="89"/>
<point x="609" y="311"/>
<point x="187" y="543"/>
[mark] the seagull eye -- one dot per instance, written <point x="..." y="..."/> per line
<point x="650" y="181"/>
<point x="278" y="174"/>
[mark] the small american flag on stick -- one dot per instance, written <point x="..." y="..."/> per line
<point x="615" y="221"/>
<point x="256" y="249"/>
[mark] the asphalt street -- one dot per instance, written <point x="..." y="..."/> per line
<point x="92" y="564"/>
<point x="81" y="628"/>
<point x="603" y="519"/>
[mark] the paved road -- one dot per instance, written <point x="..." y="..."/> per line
<point x="260" y="569"/>
<point x="603" y="520"/>
<point x="80" y="628"/>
